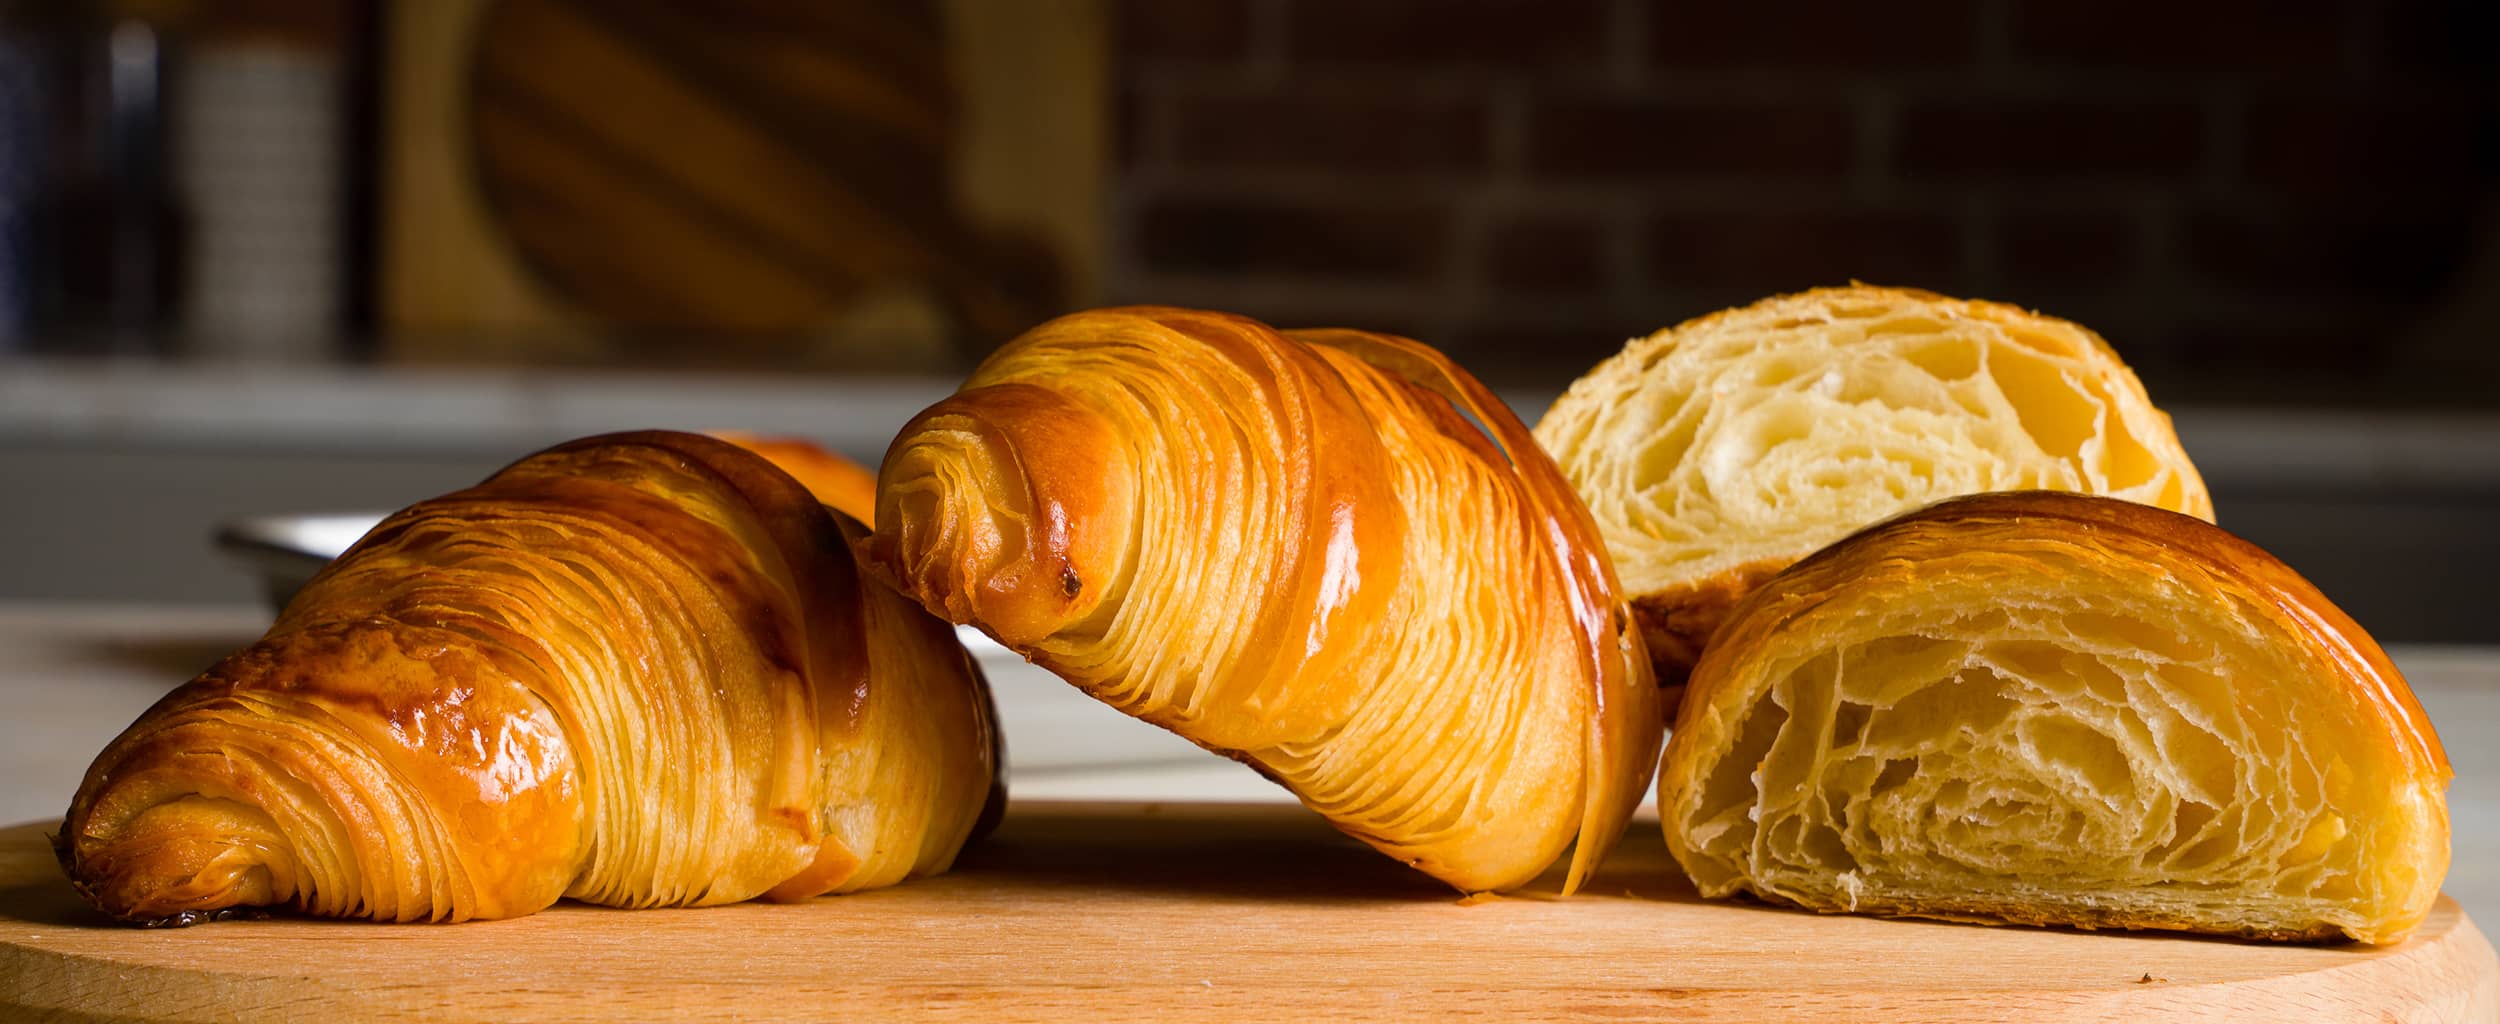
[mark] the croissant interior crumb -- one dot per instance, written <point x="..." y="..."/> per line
<point x="1759" y="442"/>
<point x="1725" y="448"/>
<point x="2020" y="729"/>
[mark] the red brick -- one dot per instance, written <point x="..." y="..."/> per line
<point x="2340" y="252"/>
<point x="1380" y="241"/>
<point x="1775" y="251"/>
<point x="1363" y="132"/>
<point x="2050" y="139"/>
<point x="2065" y="249"/>
<point x="2294" y="36"/>
<point x="1614" y="138"/>
<point x="1481" y="33"/>
<point x="1183" y="29"/>
<point x="2355" y="145"/>
<point x="1814" y="37"/>
<point x="1546" y="254"/>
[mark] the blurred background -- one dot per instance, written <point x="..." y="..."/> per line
<point x="280" y="256"/>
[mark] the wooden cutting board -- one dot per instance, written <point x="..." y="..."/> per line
<point x="1097" y="911"/>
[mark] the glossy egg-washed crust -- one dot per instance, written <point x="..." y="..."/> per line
<point x="1294" y="550"/>
<point x="1845" y="405"/>
<point x="636" y="669"/>
<point x="2009" y="562"/>
<point x="851" y="489"/>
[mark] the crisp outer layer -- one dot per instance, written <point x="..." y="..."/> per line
<point x="2057" y="709"/>
<point x="637" y="669"/>
<point x="1719" y="451"/>
<point x="1298" y="551"/>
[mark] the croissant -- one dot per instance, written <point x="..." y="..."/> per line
<point x="636" y="670"/>
<point x="1293" y="549"/>
<point x="851" y="489"/>
<point x="2056" y="709"/>
<point x="1718" y="452"/>
<point x="846" y="486"/>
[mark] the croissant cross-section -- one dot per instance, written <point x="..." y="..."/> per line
<point x="637" y="670"/>
<point x="1720" y="451"/>
<point x="1297" y="550"/>
<point x="2058" y="709"/>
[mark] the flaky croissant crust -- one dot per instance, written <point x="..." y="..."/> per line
<point x="1293" y="549"/>
<point x="1715" y="453"/>
<point x="638" y="669"/>
<point x="2056" y="709"/>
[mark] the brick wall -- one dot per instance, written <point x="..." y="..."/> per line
<point x="2253" y="200"/>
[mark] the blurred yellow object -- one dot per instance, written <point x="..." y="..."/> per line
<point x="849" y="185"/>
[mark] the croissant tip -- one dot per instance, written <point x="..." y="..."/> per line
<point x="64" y="852"/>
<point x="67" y="856"/>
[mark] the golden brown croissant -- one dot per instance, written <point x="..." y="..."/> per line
<point x="637" y="670"/>
<point x="1295" y="551"/>
<point x="2055" y="709"/>
<point x="841" y="483"/>
<point x="1718" y="452"/>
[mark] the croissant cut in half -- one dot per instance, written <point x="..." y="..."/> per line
<point x="1296" y="550"/>
<point x="2055" y="709"/>
<point x="637" y="670"/>
<point x="1718" y="452"/>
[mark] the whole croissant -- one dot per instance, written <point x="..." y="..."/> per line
<point x="2057" y="709"/>
<point x="1720" y="451"/>
<point x="1293" y="549"/>
<point x="637" y="670"/>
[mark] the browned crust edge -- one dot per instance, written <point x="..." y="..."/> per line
<point x="1678" y="621"/>
<point x="2305" y="610"/>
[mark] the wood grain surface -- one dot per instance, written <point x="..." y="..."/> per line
<point x="1195" y="911"/>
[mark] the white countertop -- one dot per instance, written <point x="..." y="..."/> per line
<point x="71" y="676"/>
